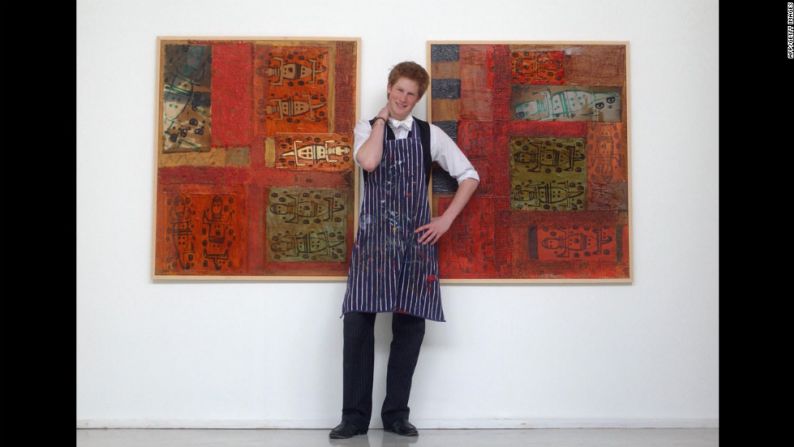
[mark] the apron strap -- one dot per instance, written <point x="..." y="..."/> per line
<point x="424" y="136"/>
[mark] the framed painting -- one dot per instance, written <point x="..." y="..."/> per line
<point x="254" y="169"/>
<point x="546" y="126"/>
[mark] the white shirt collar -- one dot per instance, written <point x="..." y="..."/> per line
<point x="406" y="124"/>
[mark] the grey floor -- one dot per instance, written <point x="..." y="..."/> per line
<point x="656" y="437"/>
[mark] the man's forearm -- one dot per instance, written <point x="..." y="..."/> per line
<point x="466" y="189"/>
<point x="371" y="152"/>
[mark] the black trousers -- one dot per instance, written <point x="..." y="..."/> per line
<point x="408" y="332"/>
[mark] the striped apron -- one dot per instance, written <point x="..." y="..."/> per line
<point x="389" y="270"/>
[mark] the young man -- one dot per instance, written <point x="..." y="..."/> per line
<point x="394" y="264"/>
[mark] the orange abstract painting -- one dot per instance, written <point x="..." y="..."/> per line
<point x="254" y="157"/>
<point x="546" y="127"/>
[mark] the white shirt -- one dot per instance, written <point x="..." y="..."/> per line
<point x="443" y="149"/>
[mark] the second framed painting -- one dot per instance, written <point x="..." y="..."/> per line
<point x="546" y="126"/>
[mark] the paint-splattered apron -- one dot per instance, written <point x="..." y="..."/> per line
<point x="389" y="270"/>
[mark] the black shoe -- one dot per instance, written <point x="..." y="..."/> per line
<point x="346" y="430"/>
<point x="402" y="427"/>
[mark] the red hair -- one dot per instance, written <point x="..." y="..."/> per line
<point x="413" y="71"/>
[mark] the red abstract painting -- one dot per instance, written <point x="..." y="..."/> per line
<point x="254" y="158"/>
<point x="545" y="125"/>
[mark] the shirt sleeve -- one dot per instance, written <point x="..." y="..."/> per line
<point x="448" y="155"/>
<point x="361" y="132"/>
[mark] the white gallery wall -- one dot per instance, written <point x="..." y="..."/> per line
<point x="263" y="354"/>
